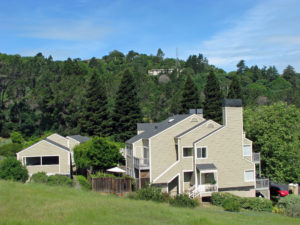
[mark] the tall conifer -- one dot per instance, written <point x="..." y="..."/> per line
<point x="212" y="107"/>
<point x="190" y="96"/>
<point x="95" y="116"/>
<point x="235" y="90"/>
<point x="127" y="111"/>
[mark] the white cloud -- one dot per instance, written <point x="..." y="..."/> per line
<point x="268" y="34"/>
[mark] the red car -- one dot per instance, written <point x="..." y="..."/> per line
<point x="278" y="190"/>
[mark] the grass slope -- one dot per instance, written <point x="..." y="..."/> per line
<point x="40" y="204"/>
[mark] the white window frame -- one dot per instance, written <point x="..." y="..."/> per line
<point x="201" y="152"/>
<point x="183" y="152"/>
<point x="253" y="179"/>
<point x="41" y="160"/>
<point x="250" y="150"/>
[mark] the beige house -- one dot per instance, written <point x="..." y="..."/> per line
<point x="189" y="154"/>
<point x="53" y="155"/>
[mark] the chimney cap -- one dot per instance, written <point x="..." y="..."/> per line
<point x="230" y="102"/>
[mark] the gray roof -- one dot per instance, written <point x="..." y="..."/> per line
<point x="58" y="145"/>
<point x="80" y="138"/>
<point x="146" y="126"/>
<point x="156" y="128"/>
<point x="207" y="166"/>
<point x="192" y="128"/>
<point x="230" y="102"/>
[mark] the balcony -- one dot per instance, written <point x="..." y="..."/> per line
<point x="256" y="157"/>
<point x="262" y="184"/>
<point x="202" y="190"/>
<point x="141" y="163"/>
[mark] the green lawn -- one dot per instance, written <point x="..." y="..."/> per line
<point x="40" y="204"/>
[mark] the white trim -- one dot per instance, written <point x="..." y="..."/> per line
<point x="150" y="160"/>
<point x="213" y="132"/>
<point x="40" y="156"/>
<point x="45" y="142"/>
<point x="253" y="176"/>
<point x="177" y="175"/>
<point x="208" y="171"/>
<point x="163" y="173"/>
<point x="201" y="152"/>
<point x="185" y="171"/>
<point x="173" y="125"/>
<point x="205" y="121"/>
<point x="183" y="152"/>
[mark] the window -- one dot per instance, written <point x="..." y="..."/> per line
<point x="247" y="150"/>
<point x="50" y="160"/>
<point x="176" y="152"/>
<point x="249" y="175"/>
<point x="187" y="152"/>
<point x="33" y="161"/>
<point x="201" y="153"/>
<point x="187" y="176"/>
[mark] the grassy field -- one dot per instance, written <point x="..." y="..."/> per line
<point x="40" y="204"/>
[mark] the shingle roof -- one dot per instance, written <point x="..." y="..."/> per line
<point x="229" y="102"/>
<point x="146" y="126"/>
<point x="207" y="166"/>
<point x="156" y="128"/>
<point x="58" y="145"/>
<point x="80" y="138"/>
<point x="192" y="128"/>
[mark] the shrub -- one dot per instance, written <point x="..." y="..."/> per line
<point x="277" y="210"/>
<point x="232" y="205"/>
<point x="291" y="205"/>
<point x="218" y="198"/>
<point x="256" y="204"/>
<point x="12" y="169"/>
<point x="84" y="184"/>
<point x="183" y="201"/>
<point x="60" y="180"/>
<point x="100" y="174"/>
<point x="16" y="137"/>
<point x="40" y="177"/>
<point x="150" y="193"/>
<point x="10" y="150"/>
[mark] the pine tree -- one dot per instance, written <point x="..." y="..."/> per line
<point x="212" y="107"/>
<point x="290" y="75"/>
<point x="235" y="90"/>
<point x="127" y="111"/>
<point x="190" y="96"/>
<point x="95" y="116"/>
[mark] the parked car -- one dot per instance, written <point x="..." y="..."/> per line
<point x="278" y="190"/>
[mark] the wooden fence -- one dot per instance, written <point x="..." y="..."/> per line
<point x="111" y="185"/>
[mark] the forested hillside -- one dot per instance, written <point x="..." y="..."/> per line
<point x="38" y="94"/>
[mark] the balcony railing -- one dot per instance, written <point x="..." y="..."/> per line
<point x="256" y="157"/>
<point x="141" y="163"/>
<point x="202" y="189"/>
<point x="262" y="183"/>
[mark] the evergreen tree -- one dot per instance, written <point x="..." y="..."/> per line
<point x="290" y="75"/>
<point x="212" y="107"/>
<point x="235" y="90"/>
<point x="190" y="96"/>
<point x="241" y="67"/>
<point x="95" y="116"/>
<point x="127" y="111"/>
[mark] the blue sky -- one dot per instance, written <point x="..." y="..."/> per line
<point x="262" y="32"/>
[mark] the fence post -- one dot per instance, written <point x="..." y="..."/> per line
<point x="112" y="185"/>
<point x="93" y="188"/>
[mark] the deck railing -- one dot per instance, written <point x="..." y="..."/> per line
<point x="262" y="183"/>
<point x="141" y="163"/>
<point x="201" y="189"/>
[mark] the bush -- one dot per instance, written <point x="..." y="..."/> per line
<point x="12" y="169"/>
<point x="183" y="201"/>
<point x="16" y="137"/>
<point x="40" y="177"/>
<point x="256" y="204"/>
<point x="218" y="198"/>
<point x="291" y="205"/>
<point x="10" y="150"/>
<point x="232" y="205"/>
<point x="100" y="174"/>
<point x="150" y="193"/>
<point x="60" y="180"/>
<point x="84" y="184"/>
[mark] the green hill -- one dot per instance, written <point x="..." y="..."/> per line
<point x="40" y="204"/>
